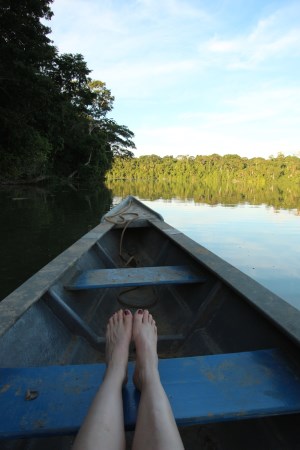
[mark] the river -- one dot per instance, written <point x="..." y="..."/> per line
<point x="259" y="237"/>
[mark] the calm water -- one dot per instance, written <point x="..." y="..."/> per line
<point x="37" y="224"/>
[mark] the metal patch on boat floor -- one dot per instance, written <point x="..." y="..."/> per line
<point x="138" y="297"/>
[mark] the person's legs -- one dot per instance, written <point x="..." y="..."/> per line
<point x="103" y="427"/>
<point x="156" y="427"/>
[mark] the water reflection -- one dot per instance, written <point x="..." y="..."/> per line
<point x="37" y="224"/>
<point x="212" y="194"/>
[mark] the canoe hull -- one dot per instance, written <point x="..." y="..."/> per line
<point x="45" y="323"/>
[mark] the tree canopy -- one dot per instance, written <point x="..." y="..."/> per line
<point x="217" y="169"/>
<point x="53" y="116"/>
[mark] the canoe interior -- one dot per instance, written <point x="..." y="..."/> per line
<point x="68" y="327"/>
<point x="192" y="319"/>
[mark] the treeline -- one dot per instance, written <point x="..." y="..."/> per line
<point x="53" y="116"/>
<point x="212" y="169"/>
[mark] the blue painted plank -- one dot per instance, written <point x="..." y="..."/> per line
<point x="137" y="276"/>
<point x="200" y="389"/>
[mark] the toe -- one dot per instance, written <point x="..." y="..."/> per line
<point x="127" y="317"/>
<point x="146" y="316"/>
<point x="138" y="316"/>
<point x="110" y="323"/>
<point x="127" y="313"/>
<point x="115" y="318"/>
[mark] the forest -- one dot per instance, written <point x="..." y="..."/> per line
<point x="53" y="116"/>
<point x="214" y="170"/>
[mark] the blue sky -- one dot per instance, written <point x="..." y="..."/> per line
<point x="193" y="77"/>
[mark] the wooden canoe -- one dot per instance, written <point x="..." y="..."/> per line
<point x="228" y="347"/>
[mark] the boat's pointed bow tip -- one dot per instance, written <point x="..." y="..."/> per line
<point x="131" y="205"/>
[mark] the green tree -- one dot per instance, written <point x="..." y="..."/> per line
<point x="91" y="140"/>
<point x="53" y="116"/>
<point x="70" y="74"/>
<point x="102" y="101"/>
<point x="25" y="53"/>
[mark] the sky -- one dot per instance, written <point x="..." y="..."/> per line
<point x="193" y="77"/>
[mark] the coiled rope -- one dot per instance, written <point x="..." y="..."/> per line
<point x="119" y="219"/>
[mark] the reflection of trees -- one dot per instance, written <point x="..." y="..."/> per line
<point x="211" y="192"/>
<point x="41" y="223"/>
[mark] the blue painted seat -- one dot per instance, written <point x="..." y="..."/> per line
<point x="136" y="276"/>
<point x="54" y="400"/>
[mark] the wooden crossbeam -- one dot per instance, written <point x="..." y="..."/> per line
<point x="43" y="401"/>
<point x="137" y="276"/>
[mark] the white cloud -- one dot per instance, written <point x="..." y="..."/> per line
<point x="223" y="46"/>
<point x="137" y="47"/>
<point x="172" y="8"/>
<point x="263" y="121"/>
<point x="143" y="79"/>
<point x="274" y="36"/>
<point x="279" y="100"/>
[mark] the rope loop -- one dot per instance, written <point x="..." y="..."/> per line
<point x="120" y="219"/>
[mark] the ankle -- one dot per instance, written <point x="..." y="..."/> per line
<point x="117" y="364"/>
<point x="114" y="375"/>
<point x="146" y="376"/>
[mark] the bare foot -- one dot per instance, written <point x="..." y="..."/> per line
<point x="118" y="337"/>
<point x="144" y="333"/>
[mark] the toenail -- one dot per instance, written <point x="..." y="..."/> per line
<point x="126" y="312"/>
<point x="140" y="311"/>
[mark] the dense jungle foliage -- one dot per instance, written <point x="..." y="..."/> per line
<point x="213" y="169"/>
<point x="53" y="116"/>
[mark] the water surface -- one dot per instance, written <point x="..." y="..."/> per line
<point x="37" y="224"/>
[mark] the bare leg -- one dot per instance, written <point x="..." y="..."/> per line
<point x="103" y="427"/>
<point x="156" y="427"/>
